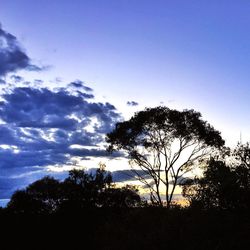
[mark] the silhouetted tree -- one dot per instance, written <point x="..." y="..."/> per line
<point x="217" y="189"/>
<point x="223" y="185"/>
<point x="163" y="144"/>
<point x="42" y="196"/>
<point x="83" y="189"/>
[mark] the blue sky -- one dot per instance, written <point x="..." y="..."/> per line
<point x="185" y="54"/>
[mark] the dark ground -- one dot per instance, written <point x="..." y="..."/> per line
<point x="142" y="228"/>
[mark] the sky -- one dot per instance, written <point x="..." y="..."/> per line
<point x="69" y="70"/>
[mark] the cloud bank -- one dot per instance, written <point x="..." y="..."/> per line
<point x="40" y="127"/>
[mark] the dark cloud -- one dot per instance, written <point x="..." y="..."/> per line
<point x="80" y="85"/>
<point x="85" y="95"/>
<point x="132" y="103"/>
<point x="12" y="56"/>
<point x="42" y="127"/>
<point x="38" y="82"/>
<point x="16" y="78"/>
<point x="128" y="175"/>
<point x="131" y="175"/>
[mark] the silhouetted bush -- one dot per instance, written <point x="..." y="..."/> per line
<point x="216" y="189"/>
<point x="81" y="190"/>
<point x="223" y="186"/>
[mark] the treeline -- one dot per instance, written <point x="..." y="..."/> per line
<point x="224" y="186"/>
<point x="80" y="190"/>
